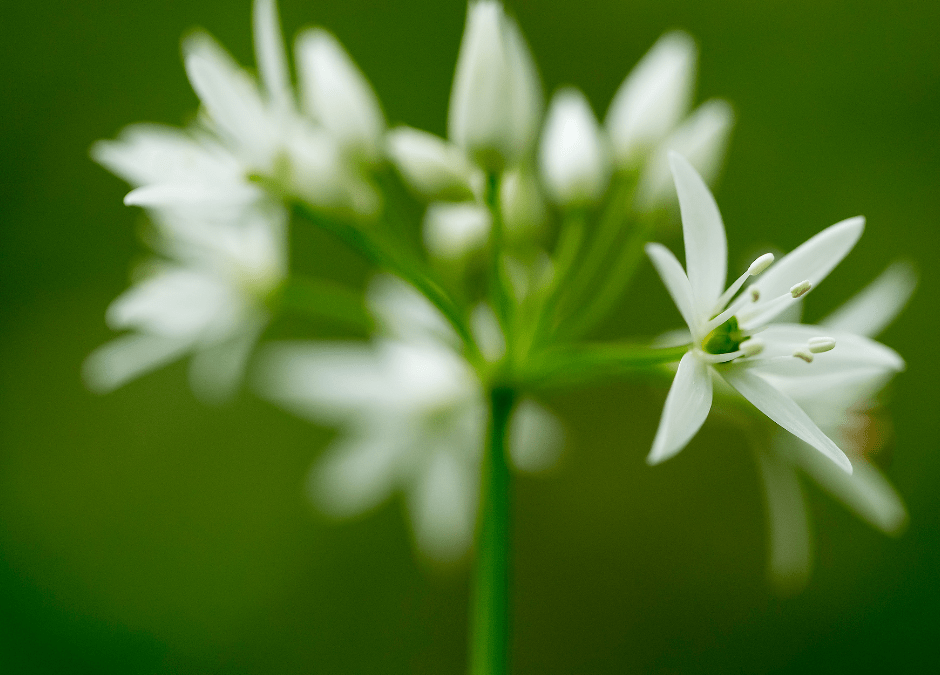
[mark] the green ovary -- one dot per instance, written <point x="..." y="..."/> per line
<point x="724" y="339"/>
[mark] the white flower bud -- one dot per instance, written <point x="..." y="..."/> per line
<point x="429" y="164"/>
<point x="337" y="94"/>
<point x="496" y="100"/>
<point x="573" y="157"/>
<point x="451" y="231"/>
<point x="652" y="99"/>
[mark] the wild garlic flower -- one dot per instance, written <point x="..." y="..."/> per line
<point x="413" y="415"/>
<point x="249" y="136"/>
<point x="206" y="295"/>
<point x="845" y="406"/>
<point x="733" y="339"/>
<point x="649" y="117"/>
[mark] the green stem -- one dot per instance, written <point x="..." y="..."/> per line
<point x="490" y="620"/>
<point x="388" y="260"/>
<point x="499" y="286"/>
<point x="594" y="363"/>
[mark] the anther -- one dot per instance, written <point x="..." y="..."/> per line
<point x="801" y="354"/>
<point x="752" y="347"/>
<point x="755" y="294"/>
<point x="801" y="289"/>
<point x="760" y="264"/>
<point x="818" y="345"/>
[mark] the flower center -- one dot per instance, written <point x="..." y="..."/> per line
<point x="724" y="339"/>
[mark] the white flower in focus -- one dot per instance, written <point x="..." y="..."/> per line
<point x="732" y="338"/>
<point x="206" y="296"/>
<point x="496" y="100"/>
<point x="573" y="157"/>
<point x="413" y="416"/>
<point x="845" y="407"/>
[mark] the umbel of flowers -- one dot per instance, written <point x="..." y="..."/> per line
<point x="535" y="222"/>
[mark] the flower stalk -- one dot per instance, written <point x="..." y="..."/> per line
<point x="490" y="618"/>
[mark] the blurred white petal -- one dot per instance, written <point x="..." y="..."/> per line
<point x="405" y="314"/>
<point x="216" y="371"/>
<point x="337" y="94"/>
<point x="573" y="156"/>
<point x="129" y="356"/>
<point x="652" y="99"/>
<point x="429" y="164"/>
<point x="453" y="230"/>
<point x="487" y="333"/>
<point x="878" y="304"/>
<point x="356" y="474"/>
<point x="443" y="508"/>
<point x="536" y="438"/>
<point x="271" y="55"/>
<point x="522" y="205"/>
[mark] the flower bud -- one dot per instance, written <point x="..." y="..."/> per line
<point x="652" y="99"/>
<point x="573" y="156"/>
<point x="496" y="98"/>
<point x="429" y="164"/>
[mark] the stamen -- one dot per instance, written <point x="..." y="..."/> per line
<point x="752" y="347"/>
<point x="755" y="268"/>
<point x="818" y="345"/>
<point x="801" y="289"/>
<point x="722" y="358"/>
<point x="760" y="264"/>
<point x="801" y="354"/>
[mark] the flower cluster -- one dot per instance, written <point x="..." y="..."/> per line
<point x="535" y="219"/>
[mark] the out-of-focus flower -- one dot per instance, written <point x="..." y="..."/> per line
<point x="413" y="417"/>
<point x="723" y="328"/>
<point x="649" y="117"/>
<point x="206" y="296"/>
<point x="573" y="157"/>
<point x="496" y="99"/>
<point x="845" y="406"/>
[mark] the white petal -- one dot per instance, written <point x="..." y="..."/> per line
<point x="429" y="164"/>
<point x="789" y="539"/>
<point x="271" y="55"/>
<point x="443" y="508"/>
<point x="811" y="261"/>
<point x="866" y="491"/>
<point x="687" y="406"/>
<point x="706" y="248"/>
<point x="216" y="371"/>
<point x="179" y="303"/>
<point x="784" y="411"/>
<point x="129" y="356"/>
<point x="487" y="333"/>
<point x="652" y="99"/>
<point x="357" y="473"/>
<point x="452" y="231"/>
<point x="151" y="153"/>
<point x="573" y="157"/>
<point x="523" y="206"/>
<point x="405" y="314"/>
<point x="875" y="307"/>
<point x="337" y="94"/>
<point x="526" y="89"/>
<point x="702" y="139"/>
<point x="851" y="351"/>
<point x="536" y="438"/>
<point x="231" y="98"/>
<point x="673" y="276"/>
<point x="193" y="194"/>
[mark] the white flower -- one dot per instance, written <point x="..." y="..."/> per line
<point x="413" y="415"/>
<point x="573" y="157"/>
<point x="205" y="296"/>
<point x="843" y="407"/>
<point x="496" y="100"/>
<point x="724" y="337"/>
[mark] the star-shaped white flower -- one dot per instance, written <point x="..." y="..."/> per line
<point x="733" y="338"/>
<point x="413" y="415"/>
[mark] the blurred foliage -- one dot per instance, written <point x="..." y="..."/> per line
<point x="142" y="532"/>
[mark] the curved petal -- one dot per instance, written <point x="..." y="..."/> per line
<point x="706" y="248"/>
<point x="867" y="492"/>
<point x="784" y="411"/>
<point x="429" y="164"/>
<point x="811" y="261"/>
<point x="270" y="53"/>
<point x="121" y="360"/>
<point x="673" y="276"/>
<point x="443" y="508"/>
<point x="687" y="406"/>
<point x="851" y="352"/>
<point x="872" y="309"/>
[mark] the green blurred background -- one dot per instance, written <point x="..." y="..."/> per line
<point x="142" y="532"/>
